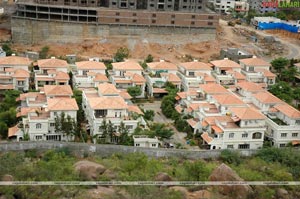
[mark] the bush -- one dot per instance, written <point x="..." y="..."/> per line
<point x="121" y="54"/>
<point x="44" y="52"/>
<point x="230" y="157"/>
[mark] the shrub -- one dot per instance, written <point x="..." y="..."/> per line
<point x="230" y="157"/>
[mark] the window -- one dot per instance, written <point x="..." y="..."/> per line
<point x="283" y="135"/>
<point x="52" y="124"/>
<point x="210" y="17"/>
<point x="100" y="113"/>
<point x="137" y="144"/>
<point x="153" y="145"/>
<point x="231" y="135"/>
<point x="230" y="146"/>
<point x="244" y="135"/>
<point x="294" y="134"/>
<point x="38" y="126"/>
<point x="257" y="135"/>
<point x="282" y="145"/>
<point x="129" y="126"/>
<point x="244" y="146"/>
<point x="38" y="137"/>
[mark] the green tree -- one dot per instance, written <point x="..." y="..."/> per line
<point x="149" y="115"/>
<point x="3" y="130"/>
<point x="65" y="125"/>
<point x="196" y="171"/>
<point x="279" y="64"/>
<point x="43" y="54"/>
<point x="103" y="128"/>
<point x="77" y="94"/>
<point x="160" y="130"/>
<point x="230" y="157"/>
<point x="149" y="58"/>
<point x="110" y="130"/>
<point x="121" y="54"/>
<point x="7" y="49"/>
<point x="134" y="91"/>
<point x="283" y="91"/>
<point x="124" y="139"/>
<point x="289" y="74"/>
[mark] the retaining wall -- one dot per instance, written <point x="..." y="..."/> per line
<point x="108" y="150"/>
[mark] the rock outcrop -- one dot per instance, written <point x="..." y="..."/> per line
<point x="163" y="177"/>
<point x="225" y="173"/>
<point x="89" y="170"/>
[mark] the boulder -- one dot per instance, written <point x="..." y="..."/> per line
<point x="225" y="173"/>
<point x="7" y="177"/>
<point x="200" y="194"/>
<point x="89" y="170"/>
<point x="182" y="190"/>
<point x="163" y="177"/>
<point x="282" y="194"/>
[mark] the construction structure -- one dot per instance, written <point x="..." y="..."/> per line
<point x="40" y="20"/>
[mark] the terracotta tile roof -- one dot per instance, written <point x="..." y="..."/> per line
<point x="58" y="90"/>
<point x="138" y="78"/>
<point x="6" y="87"/>
<point x="267" y="98"/>
<point x="100" y="78"/>
<point x="250" y="86"/>
<point x="209" y="78"/>
<point x="52" y="63"/>
<point x="127" y="65"/>
<point x="184" y="95"/>
<point x="211" y="120"/>
<point x="25" y="110"/>
<point x="15" y="60"/>
<point x="90" y="65"/>
<point x="13" y="131"/>
<point x="125" y="95"/>
<point x="123" y="81"/>
<point x="298" y="64"/>
<point x="213" y="88"/>
<point x="195" y="65"/>
<point x="247" y="113"/>
<point x="228" y="99"/>
<point x="52" y="71"/>
<point x="108" y="89"/>
<point x="178" y="109"/>
<point x="162" y="65"/>
<point x="62" y="104"/>
<point x="159" y="90"/>
<point x="62" y="75"/>
<point x="237" y="75"/>
<point x="43" y="78"/>
<point x="217" y="129"/>
<point x="9" y="69"/>
<point x="288" y="110"/>
<point x="192" y="122"/>
<point x="5" y="77"/>
<point x="266" y="73"/>
<point x="171" y="77"/>
<point x="196" y="106"/>
<point x="107" y="103"/>
<point x="135" y="109"/>
<point x="254" y="62"/>
<point x="206" y="137"/>
<point x="225" y="63"/>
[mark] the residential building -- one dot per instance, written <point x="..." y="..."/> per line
<point x="89" y="74"/>
<point x="258" y="71"/>
<point x="193" y="73"/>
<point x="107" y="104"/>
<point x="145" y="141"/>
<point x="224" y="70"/>
<point x="283" y="125"/>
<point x="2" y="53"/>
<point x="40" y="109"/>
<point x="246" y="89"/>
<point x="234" y="54"/>
<point x="128" y="74"/>
<point x="14" y="73"/>
<point x="227" y="6"/>
<point x="158" y="74"/>
<point x="51" y="72"/>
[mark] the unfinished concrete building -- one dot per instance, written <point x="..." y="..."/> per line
<point x="101" y="17"/>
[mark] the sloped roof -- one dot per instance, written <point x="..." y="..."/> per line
<point x="250" y="86"/>
<point x="254" y="62"/>
<point x="225" y="63"/>
<point x="267" y="98"/>
<point x="100" y="78"/>
<point x="62" y="104"/>
<point x="90" y="65"/>
<point x="52" y="63"/>
<point x="108" y="103"/>
<point x="21" y="73"/>
<point x="213" y="88"/>
<point x="58" y="90"/>
<point x="13" y="131"/>
<point x="195" y="65"/>
<point x="228" y="99"/>
<point x="108" y="89"/>
<point x="135" y="109"/>
<point x="162" y="65"/>
<point x="62" y="75"/>
<point x="15" y="60"/>
<point x="127" y="65"/>
<point x="288" y="110"/>
<point x="247" y="113"/>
